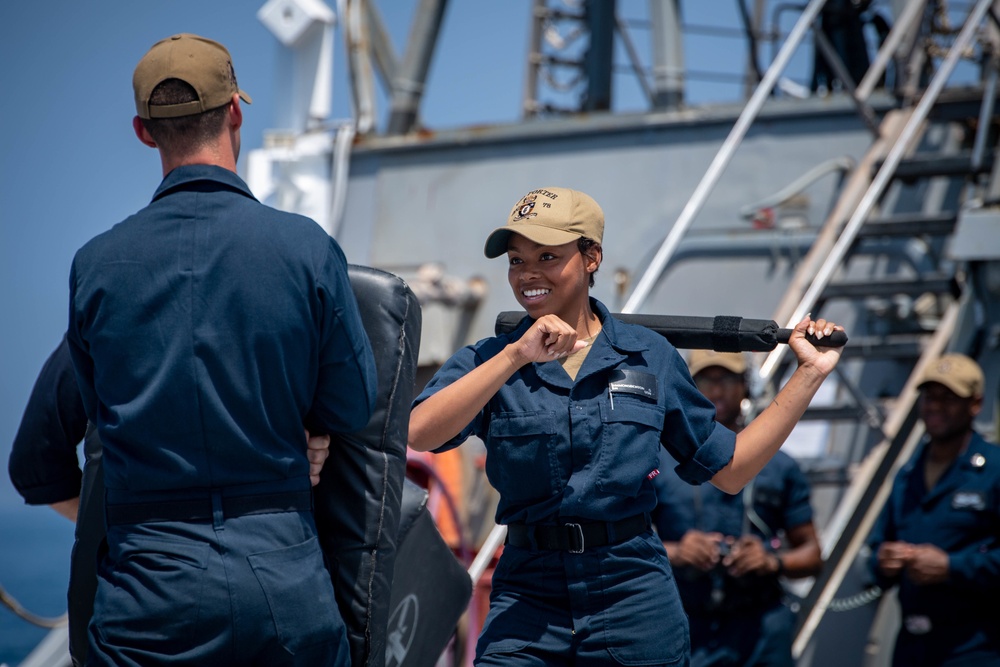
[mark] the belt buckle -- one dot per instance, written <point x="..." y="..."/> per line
<point x="575" y="538"/>
<point x="918" y="624"/>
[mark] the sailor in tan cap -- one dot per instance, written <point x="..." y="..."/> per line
<point x="724" y="548"/>
<point x="937" y="538"/>
<point x="210" y="336"/>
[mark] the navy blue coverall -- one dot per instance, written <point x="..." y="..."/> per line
<point x="207" y="331"/>
<point x="583" y="453"/>
<point x="735" y="621"/>
<point x="956" y="623"/>
<point x="45" y="469"/>
<point x="43" y="464"/>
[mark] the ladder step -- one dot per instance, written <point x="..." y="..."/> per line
<point x="910" y="224"/>
<point x="828" y="476"/>
<point x="833" y="413"/>
<point x="958" y="104"/>
<point x="937" y="284"/>
<point x="899" y="346"/>
<point x="927" y="165"/>
<point x="893" y="347"/>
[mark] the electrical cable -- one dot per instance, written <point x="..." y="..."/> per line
<point x="41" y="621"/>
<point x="856" y="601"/>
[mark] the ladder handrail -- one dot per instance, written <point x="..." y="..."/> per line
<point x="722" y="158"/>
<point x="880" y="182"/>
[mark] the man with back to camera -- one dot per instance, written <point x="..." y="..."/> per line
<point x="726" y="552"/>
<point x="210" y="334"/>
<point x="45" y="470"/>
<point x="938" y="537"/>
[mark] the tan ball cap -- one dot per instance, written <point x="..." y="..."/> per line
<point x="702" y="359"/>
<point x="203" y="64"/>
<point x="957" y="372"/>
<point x="549" y="216"/>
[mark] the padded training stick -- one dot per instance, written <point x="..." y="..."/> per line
<point x="722" y="333"/>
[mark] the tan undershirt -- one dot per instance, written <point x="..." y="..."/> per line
<point x="572" y="362"/>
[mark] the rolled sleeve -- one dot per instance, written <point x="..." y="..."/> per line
<point x="712" y="456"/>
<point x="456" y="367"/>
<point x="701" y="446"/>
<point x="43" y="464"/>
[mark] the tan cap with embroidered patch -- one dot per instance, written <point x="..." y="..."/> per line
<point x="202" y="63"/>
<point x="549" y="216"/>
<point x="957" y="372"/>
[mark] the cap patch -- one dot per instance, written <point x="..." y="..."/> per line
<point x="523" y="210"/>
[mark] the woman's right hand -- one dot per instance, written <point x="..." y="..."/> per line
<point x="548" y="338"/>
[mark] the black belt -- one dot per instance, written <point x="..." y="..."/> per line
<point x="200" y="509"/>
<point x="575" y="537"/>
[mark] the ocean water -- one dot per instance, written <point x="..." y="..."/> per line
<point x="35" y="546"/>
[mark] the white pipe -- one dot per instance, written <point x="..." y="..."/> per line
<point x="341" y="166"/>
<point x="486" y="552"/>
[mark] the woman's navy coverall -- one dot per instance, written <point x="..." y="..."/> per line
<point x="956" y="622"/>
<point x="562" y="451"/>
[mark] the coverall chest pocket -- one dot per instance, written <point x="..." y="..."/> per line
<point x="630" y="444"/>
<point x="969" y="510"/>
<point x="521" y="460"/>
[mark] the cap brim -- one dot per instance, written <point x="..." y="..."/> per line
<point x="244" y="96"/>
<point x="958" y="388"/>
<point x="733" y="366"/>
<point x="496" y="242"/>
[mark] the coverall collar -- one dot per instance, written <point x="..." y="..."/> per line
<point x="192" y="173"/>
<point x="611" y="346"/>
<point x="957" y="473"/>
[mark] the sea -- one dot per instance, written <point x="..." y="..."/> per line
<point x="35" y="547"/>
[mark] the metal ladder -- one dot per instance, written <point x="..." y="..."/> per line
<point x="880" y="259"/>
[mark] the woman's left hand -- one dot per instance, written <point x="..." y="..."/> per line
<point x="822" y="359"/>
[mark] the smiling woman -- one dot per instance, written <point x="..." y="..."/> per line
<point x="572" y="447"/>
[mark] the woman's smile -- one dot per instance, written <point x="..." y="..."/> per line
<point x="534" y="294"/>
